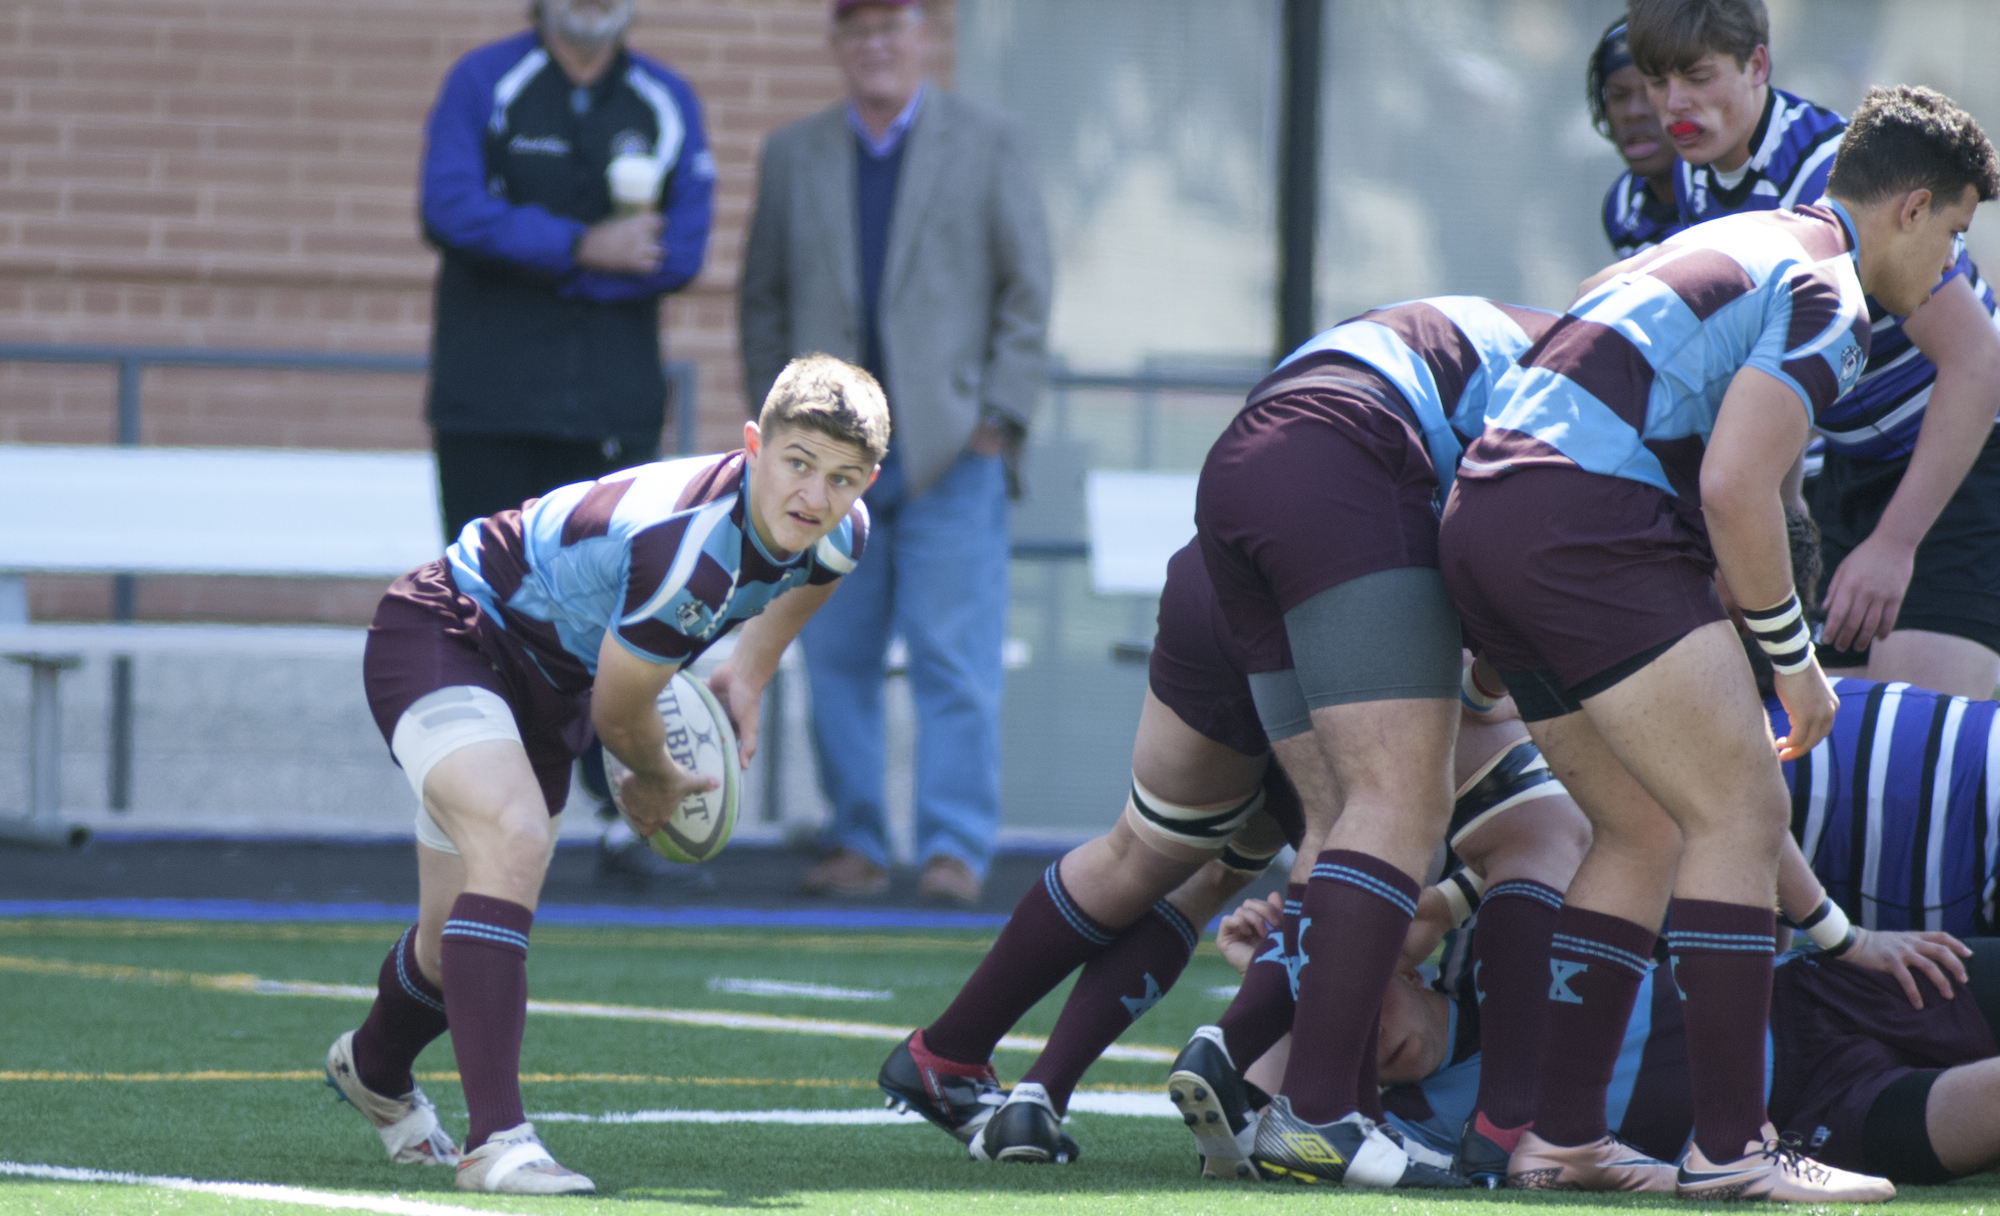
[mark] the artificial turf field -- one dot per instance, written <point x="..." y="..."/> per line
<point x="192" y="1050"/>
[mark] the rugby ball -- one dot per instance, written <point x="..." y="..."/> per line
<point x="700" y="740"/>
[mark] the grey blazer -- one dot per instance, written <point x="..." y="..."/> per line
<point x="965" y="284"/>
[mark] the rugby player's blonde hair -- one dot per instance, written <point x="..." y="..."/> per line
<point x="832" y="397"/>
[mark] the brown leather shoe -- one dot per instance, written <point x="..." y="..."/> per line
<point x="947" y="880"/>
<point x="845" y="874"/>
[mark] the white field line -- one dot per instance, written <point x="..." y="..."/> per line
<point x="1225" y="991"/>
<point x="325" y="1200"/>
<point x="713" y="1018"/>
<point x="1087" y="1102"/>
<point x="820" y="992"/>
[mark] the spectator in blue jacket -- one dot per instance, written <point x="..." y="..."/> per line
<point x="545" y="356"/>
<point x="545" y="351"/>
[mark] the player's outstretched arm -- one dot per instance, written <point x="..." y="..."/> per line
<point x="740" y="681"/>
<point x="1759" y="432"/>
<point x="623" y="709"/>
<point x="1954" y="331"/>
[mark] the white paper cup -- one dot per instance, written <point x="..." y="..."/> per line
<point x="635" y="184"/>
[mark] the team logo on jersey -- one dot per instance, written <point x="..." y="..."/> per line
<point x="1850" y="364"/>
<point x="539" y="145"/>
<point x="694" y="618"/>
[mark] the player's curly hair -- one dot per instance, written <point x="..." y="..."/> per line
<point x="1595" y="77"/>
<point x="833" y="397"/>
<point x="1912" y="138"/>
<point x="1670" y="35"/>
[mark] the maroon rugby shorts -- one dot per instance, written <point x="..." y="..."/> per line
<point x="427" y="635"/>
<point x="1571" y="574"/>
<point x="1307" y="490"/>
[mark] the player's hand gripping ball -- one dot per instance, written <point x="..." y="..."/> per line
<point x="700" y="740"/>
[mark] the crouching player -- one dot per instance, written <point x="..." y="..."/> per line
<point x="1641" y="444"/>
<point x="488" y="669"/>
<point x="1291" y="563"/>
<point x="1857" y="1066"/>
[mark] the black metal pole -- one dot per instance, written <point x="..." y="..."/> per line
<point x="124" y="590"/>
<point x="1298" y="170"/>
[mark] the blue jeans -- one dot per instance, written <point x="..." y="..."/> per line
<point x="935" y="573"/>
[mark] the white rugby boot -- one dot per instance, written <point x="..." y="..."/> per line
<point x="514" y="1162"/>
<point x="408" y="1125"/>
<point x="1775" y="1169"/>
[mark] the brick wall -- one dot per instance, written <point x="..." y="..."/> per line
<point x="242" y="173"/>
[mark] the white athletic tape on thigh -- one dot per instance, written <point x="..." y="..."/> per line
<point x="1197" y="827"/>
<point x="440" y="723"/>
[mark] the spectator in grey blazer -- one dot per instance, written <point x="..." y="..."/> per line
<point x="902" y="229"/>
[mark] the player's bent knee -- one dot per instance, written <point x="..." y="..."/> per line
<point x="1186" y="827"/>
<point x="1386" y="636"/>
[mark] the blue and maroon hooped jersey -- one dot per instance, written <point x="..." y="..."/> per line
<point x="1898" y="808"/>
<point x="1443" y="353"/>
<point x="1627" y="384"/>
<point x="662" y="557"/>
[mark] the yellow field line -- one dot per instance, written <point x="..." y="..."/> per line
<point x="715" y="1018"/>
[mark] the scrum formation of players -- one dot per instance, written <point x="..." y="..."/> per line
<point x="1608" y="508"/>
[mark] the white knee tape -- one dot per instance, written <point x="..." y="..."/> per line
<point x="440" y="723"/>
<point x="1196" y="827"/>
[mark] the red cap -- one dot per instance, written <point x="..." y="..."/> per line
<point x="842" y="7"/>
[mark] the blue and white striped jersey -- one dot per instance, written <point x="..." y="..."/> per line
<point x="1635" y="218"/>
<point x="1880" y="418"/>
<point x="662" y="556"/>
<point x="1627" y="384"/>
<point x="1444" y="354"/>
<point x="1793" y="150"/>
<point x="1897" y="808"/>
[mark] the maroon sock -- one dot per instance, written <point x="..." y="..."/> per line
<point x="1356" y="912"/>
<point x="1367" y="1088"/>
<point x="1721" y="958"/>
<point x="1261" y="1012"/>
<point x="1046" y="938"/>
<point x="1595" y="963"/>
<point x="1114" y="991"/>
<point x="1510" y="952"/>
<point x="485" y="960"/>
<point x="407" y="1015"/>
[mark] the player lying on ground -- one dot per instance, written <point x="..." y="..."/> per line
<point x="487" y="671"/>
<point x="1333" y="571"/>
<point x="1576" y="553"/>
<point x="1911" y="469"/>
<point x="1857" y="1066"/>
<point x="1639" y="209"/>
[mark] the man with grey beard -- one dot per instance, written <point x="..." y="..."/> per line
<point x="545" y="356"/>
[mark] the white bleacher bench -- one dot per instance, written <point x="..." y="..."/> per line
<point x="189" y="511"/>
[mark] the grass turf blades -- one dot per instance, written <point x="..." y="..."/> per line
<point x="183" y="1081"/>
